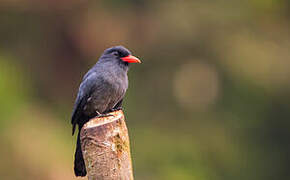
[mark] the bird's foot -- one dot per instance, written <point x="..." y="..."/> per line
<point x="116" y="109"/>
<point x="102" y="115"/>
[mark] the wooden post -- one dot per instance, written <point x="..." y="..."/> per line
<point x="106" y="148"/>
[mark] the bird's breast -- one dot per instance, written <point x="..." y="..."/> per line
<point x="106" y="95"/>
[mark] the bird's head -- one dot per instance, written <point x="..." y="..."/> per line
<point x="119" y="54"/>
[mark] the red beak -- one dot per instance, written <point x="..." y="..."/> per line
<point x="131" y="59"/>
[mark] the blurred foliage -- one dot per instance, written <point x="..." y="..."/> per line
<point x="211" y="99"/>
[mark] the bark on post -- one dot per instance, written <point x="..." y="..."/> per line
<point x="106" y="149"/>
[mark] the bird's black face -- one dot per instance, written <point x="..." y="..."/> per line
<point x="121" y="54"/>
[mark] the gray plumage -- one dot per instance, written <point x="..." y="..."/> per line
<point x="101" y="89"/>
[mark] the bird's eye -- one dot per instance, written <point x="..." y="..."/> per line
<point x="115" y="53"/>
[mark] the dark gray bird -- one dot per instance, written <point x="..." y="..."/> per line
<point x="102" y="90"/>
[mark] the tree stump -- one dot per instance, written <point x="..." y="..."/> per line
<point x="106" y="148"/>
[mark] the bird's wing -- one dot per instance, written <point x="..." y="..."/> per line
<point x="84" y="92"/>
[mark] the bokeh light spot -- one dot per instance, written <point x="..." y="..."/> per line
<point x="196" y="85"/>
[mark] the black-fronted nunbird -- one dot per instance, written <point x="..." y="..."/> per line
<point x="101" y="91"/>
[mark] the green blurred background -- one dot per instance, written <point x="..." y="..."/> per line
<point x="210" y="101"/>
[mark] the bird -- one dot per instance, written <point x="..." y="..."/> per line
<point x="101" y="91"/>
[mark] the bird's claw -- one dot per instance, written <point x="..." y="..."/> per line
<point x="116" y="109"/>
<point x="99" y="115"/>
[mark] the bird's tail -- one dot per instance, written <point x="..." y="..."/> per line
<point x="79" y="164"/>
